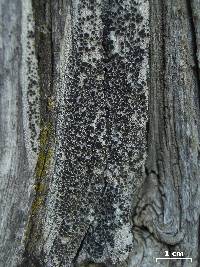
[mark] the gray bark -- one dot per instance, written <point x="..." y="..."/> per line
<point x="99" y="131"/>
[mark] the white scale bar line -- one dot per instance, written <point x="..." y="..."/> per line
<point x="173" y="259"/>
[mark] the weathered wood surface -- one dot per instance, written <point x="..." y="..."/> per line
<point x="169" y="204"/>
<point x="19" y="124"/>
<point x="91" y="201"/>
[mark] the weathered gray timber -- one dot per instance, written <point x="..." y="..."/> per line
<point x="19" y="124"/>
<point x="99" y="130"/>
<point x="169" y="206"/>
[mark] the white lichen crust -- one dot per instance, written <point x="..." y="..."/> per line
<point x="30" y="84"/>
<point x="102" y="106"/>
<point x="102" y="103"/>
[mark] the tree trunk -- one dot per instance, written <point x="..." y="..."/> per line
<point x="100" y="130"/>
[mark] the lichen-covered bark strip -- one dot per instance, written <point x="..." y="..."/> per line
<point x="125" y="43"/>
<point x="169" y="205"/>
<point x="19" y="116"/>
<point x="101" y="105"/>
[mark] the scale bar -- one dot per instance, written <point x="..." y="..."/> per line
<point x="173" y="259"/>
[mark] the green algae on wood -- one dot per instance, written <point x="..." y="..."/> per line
<point x="33" y="231"/>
